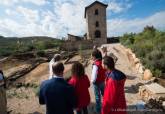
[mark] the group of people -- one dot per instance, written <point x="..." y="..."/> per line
<point x="63" y="97"/>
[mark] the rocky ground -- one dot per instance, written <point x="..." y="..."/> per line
<point x="23" y="98"/>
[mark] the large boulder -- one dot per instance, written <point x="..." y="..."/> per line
<point x="147" y="74"/>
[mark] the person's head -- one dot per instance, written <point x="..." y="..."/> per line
<point x="57" y="57"/>
<point x="104" y="49"/>
<point x="58" y="69"/>
<point x="95" y="47"/>
<point x="108" y="63"/>
<point x="78" y="69"/>
<point x="96" y="55"/>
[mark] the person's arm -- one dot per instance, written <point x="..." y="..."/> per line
<point x="50" y="69"/>
<point x="41" y="95"/>
<point x="110" y="96"/>
<point x="94" y="73"/>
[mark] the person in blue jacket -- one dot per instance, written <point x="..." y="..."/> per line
<point x="3" y="100"/>
<point x="56" y="93"/>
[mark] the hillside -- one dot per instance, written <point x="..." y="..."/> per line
<point x="149" y="46"/>
<point x="11" y="45"/>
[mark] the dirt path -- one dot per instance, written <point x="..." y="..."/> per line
<point x="30" y="105"/>
<point x="23" y="100"/>
<point x="133" y="78"/>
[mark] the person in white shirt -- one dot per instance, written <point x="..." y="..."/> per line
<point x="56" y="58"/>
<point x="98" y="78"/>
<point x="3" y="100"/>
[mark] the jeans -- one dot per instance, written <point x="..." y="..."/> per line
<point x="98" y="91"/>
<point x="82" y="111"/>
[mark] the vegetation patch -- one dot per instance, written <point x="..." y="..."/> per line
<point x="12" y="45"/>
<point x="149" y="46"/>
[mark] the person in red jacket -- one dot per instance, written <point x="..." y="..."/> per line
<point x="98" y="78"/>
<point x="114" y="97"/>
<point x="81" y="83"/>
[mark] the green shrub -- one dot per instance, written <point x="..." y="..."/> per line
<point x="41" y="53"/>
<point x="13" y="45"/>
<point x="149" y="46"/>
<point x="36" y="90"/>
<point x="155" y="55"/>
<point x="157" y="73"/>
<point x="127" y="39"/>
<point x="5" y="52"/>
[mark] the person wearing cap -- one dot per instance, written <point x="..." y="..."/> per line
<point x="3" y="100"/>
<point x="56" y="58"/>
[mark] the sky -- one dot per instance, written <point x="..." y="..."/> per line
<point x="57" y="18"/>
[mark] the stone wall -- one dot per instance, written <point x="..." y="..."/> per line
<point x="74" y="38"/>
<point x="146" y="73"/>
<point x="135" y="61"/>
<point x="76" y="45"/>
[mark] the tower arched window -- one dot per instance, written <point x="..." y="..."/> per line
<point x="97" y="24"/>
<point x="96" y="12"/>
<point x="97" y="34"/>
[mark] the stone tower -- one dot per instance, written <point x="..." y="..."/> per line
<point x="95" y="15"/>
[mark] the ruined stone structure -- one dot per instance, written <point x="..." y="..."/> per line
<point x="95" y="15"/>
<point x="96" y="32"/>
<point x="73" y="38"/>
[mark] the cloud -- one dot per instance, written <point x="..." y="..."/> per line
<point x="118" y="7"/>
<point x="9" y="12"/>
<point x="71" y="17"/>
<point x="29" y="15"/>
<point x="8" y="2"/>
<point x="118" y="27"/>
<point x="115" y="7"/>
<point x="67" y="16"/>
<point x="13" y="2"/>
<point x="36" y="2"/>
<point x="9" y="27"/>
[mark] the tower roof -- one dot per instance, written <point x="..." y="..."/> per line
<point x="96" y="2"/>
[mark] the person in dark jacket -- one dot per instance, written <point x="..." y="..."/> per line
<point x="3" y="100"/>
<point x="81" y="83"/>
<point x="114" y="97"/>
<point x="56" y="93"/>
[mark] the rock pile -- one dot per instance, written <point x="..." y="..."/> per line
<point x="135" y="61"/>
<point x="154" y="96"/>
<point x="156" y="103"/>
<point x="146" y="73"/>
